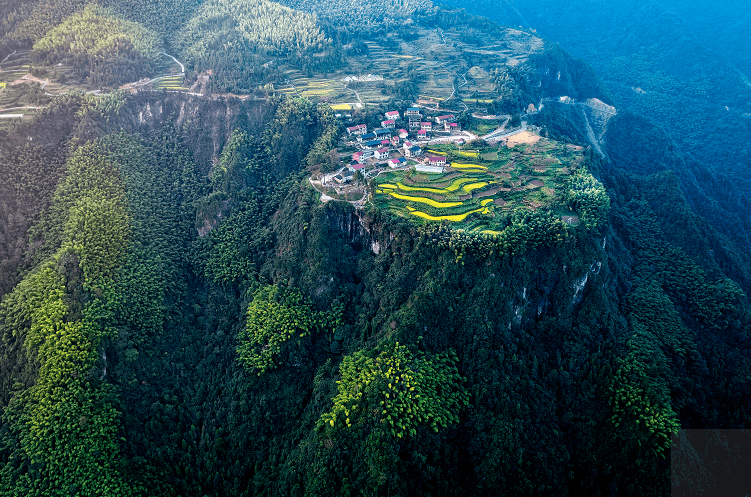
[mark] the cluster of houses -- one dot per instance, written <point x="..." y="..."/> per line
<point x="378" y="144"/>
<point x="424" y="129"/>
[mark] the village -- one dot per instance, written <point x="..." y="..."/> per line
<point x="421" y="164"/>
<point x="387" y="147"/>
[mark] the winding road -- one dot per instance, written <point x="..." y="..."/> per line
<point x="182" y="67"/>
<point x="136" y="84"/>
<point x="6" y="57"/>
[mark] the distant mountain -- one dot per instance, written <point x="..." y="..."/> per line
<point x="673" y="64"/>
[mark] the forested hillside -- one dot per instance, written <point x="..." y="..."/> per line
<point x="182" y="314"/>
<point x="104" y="49"/>
<point x="242" y="41"/>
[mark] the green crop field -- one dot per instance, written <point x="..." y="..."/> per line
<point x="173" y="83"/>
<point x="481" y="187"/>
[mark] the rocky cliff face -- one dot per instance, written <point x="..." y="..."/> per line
<point x="207" y="122"/>
<point x="547" y="282"/>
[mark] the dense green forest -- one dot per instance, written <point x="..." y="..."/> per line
<point x="241" y="41"/>
<point x="104" y="49"/>
<point x="180" y="314"/>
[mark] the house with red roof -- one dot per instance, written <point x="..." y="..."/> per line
<point x="453" y="127"/>
<point x="437" y="160"/>
<point x="403" y="134"/>
<point x="427" y="126"/>
<point x="445" y="119"/>
<point x="360" y="129"/>
<point x="422" y="135"/>
<point x="389" y="124"/>
<point x="392" y="115"/>
<point x="397" y="162"/>
<point x="382" y="153"/>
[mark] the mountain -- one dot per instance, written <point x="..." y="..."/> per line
<point x="199" y="298"/>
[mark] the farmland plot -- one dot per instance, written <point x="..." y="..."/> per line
<point x="481" y="187"/>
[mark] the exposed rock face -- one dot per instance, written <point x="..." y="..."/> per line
<point x="207" y="122"/>
<point x="598" y="115"/>
<point x="355" y="225"/>
<point x="544" y="284"/>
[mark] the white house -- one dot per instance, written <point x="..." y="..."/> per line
<point x="360" y="129"/>
<point x="437" y="160"/>
<point x="453" y="127"/>
<point x="397" y="162"/>
<point x="382" y="153"/>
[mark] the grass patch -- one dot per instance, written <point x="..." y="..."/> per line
<point x="483" y="128"/>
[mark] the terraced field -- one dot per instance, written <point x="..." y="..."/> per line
<point x="174" y="83"/>
<point x="481" y="187"/>
<point x="15" y="65"/>
<point x="447" y="67"/>
<point x="325" y="89"/>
